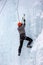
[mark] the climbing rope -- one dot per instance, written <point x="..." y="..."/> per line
<point x="17" y="10"/>
<point x="3" y="6"/>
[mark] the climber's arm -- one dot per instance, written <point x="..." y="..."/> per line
<point x="24" y="22"/>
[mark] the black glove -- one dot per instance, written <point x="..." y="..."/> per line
<point x="24" y="20"/>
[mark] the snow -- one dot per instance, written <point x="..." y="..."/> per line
<point x="9" y="36"/>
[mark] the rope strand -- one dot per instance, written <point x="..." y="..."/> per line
<point x="17" y="10"/>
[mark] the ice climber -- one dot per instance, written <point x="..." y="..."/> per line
<point x="21" y="30"/>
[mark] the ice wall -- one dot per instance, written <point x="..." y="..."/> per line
<point x="9" y="36"/>
<point x="37" y="50"/>
<point x="8" y="33"/>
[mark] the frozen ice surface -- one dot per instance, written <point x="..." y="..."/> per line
<point x="37" y="50"/>
<point x="9" y="36"/>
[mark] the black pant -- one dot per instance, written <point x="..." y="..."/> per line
<point x="22" y="38"/>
